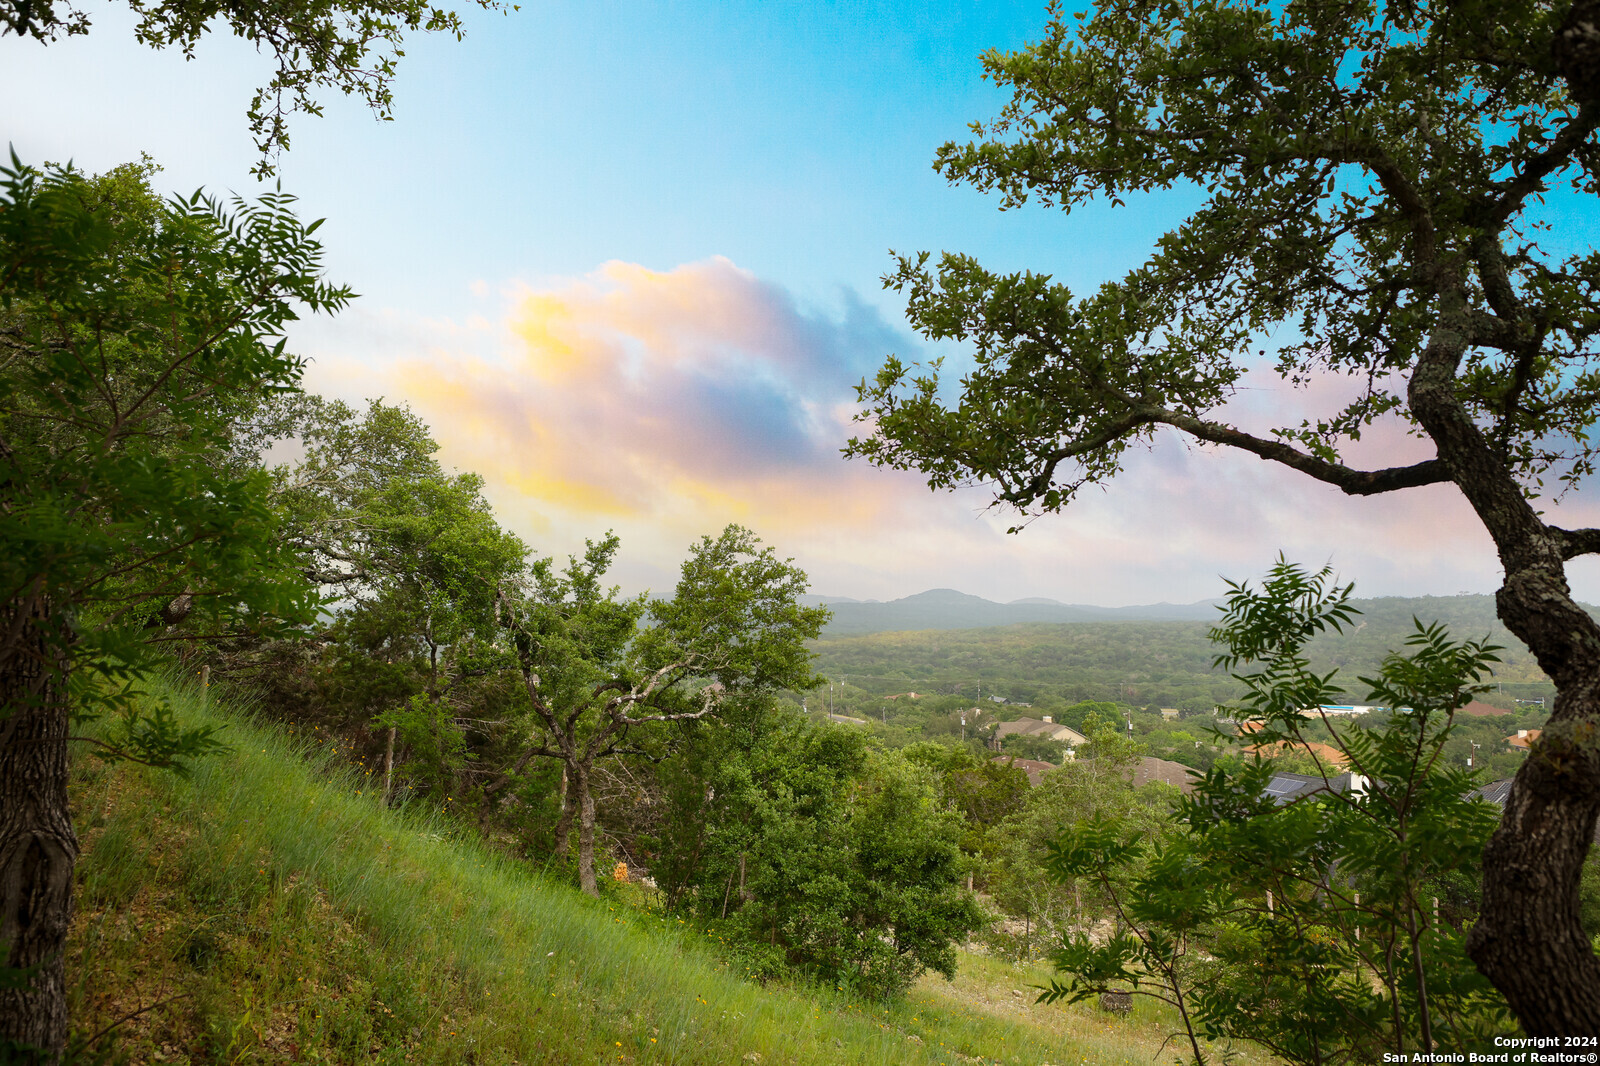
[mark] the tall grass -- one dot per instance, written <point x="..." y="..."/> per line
<point x="273" y="909"/>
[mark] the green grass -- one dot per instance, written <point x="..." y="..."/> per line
<point x="1081" y="1034"/>
<point x="269" y="908"/>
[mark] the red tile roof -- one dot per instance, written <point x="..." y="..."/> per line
<point x="1326" y="752"/>
<point x="1166" y="771"/>
<point x="1034" y="768"/>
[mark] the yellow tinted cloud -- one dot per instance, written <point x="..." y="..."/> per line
<point x="667" y="403"/>
<point x="545" y="327"/>
<point x="693" y="397"/>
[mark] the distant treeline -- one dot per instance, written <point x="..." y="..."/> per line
<point x="1163" y="663"/>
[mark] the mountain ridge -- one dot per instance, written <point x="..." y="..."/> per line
<point x="945" y="608"/>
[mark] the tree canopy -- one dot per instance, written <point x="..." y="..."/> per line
<point x="134" y="334"/>
<point x="351" y="47"/>
<point x="1377" y="187"/>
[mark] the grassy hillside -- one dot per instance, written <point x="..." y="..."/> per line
<point x="269" y="909"/>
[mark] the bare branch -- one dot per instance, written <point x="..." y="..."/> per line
<point x="1349" y="481"/>
<point x="1576" y="542"/>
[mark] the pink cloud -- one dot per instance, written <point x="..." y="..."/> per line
<point x="666" y="403"/>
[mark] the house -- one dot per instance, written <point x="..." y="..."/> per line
<point x="1166" y="771"/>
<point x="1286" y="788"/>
<point x="845" y="719"/>
<point x="1033" y="727"/>
<point x="1171" y="714"/>
<point x="1327" y="754"/>
<point x="1034" y="768"/>
<point x="1496" y="792"/>
<point x="1148" y="769"/>
<point x="1523" y="739"/>
<point x="1479" y="709"/>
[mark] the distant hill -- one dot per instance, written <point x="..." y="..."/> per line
<point x="949" y="609"/>
<point x="1467" y="615"/>
<point x="941" y="640"/>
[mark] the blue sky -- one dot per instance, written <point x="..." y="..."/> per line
<point x="625" y="258"/>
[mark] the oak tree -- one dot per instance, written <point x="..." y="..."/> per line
<point x="1373" y="183"/>
<point x="598" y="669"/>
<point x="134" y="334"/>
<point x="351" y="46"/>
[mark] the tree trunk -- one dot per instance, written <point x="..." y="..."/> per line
<point x="1528" y="940"/>
<point x="569" y="810"/>
<point x="586" y="879"/>
<point x="37" y="844"/>
<point x="1576" y="50"/>
<point x="388" y="765"/>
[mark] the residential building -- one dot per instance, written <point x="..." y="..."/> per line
<point x="1326" y="754"/>
<point x="1034" y="768"/>
<point x="1523" y="739"/>
<point x="1034" y="727"/>
<point x="1286" y="788"/>
<point x="1147" y="770"/>
<point x="1496" y="792"/>
<point x="1166" y="771"/>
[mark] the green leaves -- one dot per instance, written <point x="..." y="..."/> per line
<point x="1091" y="845"/>
<point x="736" y="613"/>
<point x="351" y="47"/>
<point x="815" y="854"/>
<point x="1316" y="913"/>
<point x="149" y="733"/>
<point x="1358" y="169"/>
<point x="1056" y="381"/>
<point x="1291" y="608"/>
<point x="136" y="333"/>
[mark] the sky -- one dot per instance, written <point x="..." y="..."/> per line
<point x="625" y="260"/>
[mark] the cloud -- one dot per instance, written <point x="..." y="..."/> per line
<point x="641" y="394"/>
<point x="664" y="404"/>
